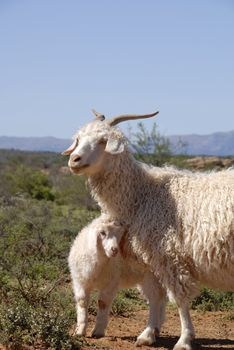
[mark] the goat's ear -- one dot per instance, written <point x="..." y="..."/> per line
<point x="114" y="146"/>
<point x="70" y="149"/>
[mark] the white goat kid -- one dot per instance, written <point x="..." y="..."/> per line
<point x="180" y="224"/>
<point x="95" y="263"/>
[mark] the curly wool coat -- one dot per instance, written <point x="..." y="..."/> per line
<point x="181" y="223"/>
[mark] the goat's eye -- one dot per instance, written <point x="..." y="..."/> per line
<point x="103" y="233"/>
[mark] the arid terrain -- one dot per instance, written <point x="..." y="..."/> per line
<point x="42" y="207"/>
<point x="214" y="330"/>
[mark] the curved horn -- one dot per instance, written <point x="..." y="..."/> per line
<point x="124" y="117"/>
<point x="70" y="149"/>
<point x="98" y="116"/>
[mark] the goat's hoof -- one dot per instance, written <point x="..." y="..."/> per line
<point x="81" y="332"/>
<point x="180" y="346"/>
<point x="144" y="341"/>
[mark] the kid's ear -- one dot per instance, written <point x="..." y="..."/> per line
<point x="98" y="240"/>
<point x="114" y="146"/>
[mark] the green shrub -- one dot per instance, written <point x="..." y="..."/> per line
<point x="211" y="300"/>
<point x="150" y="146"/>
<point x="22" y="324"/>
<point x="25" y="180"/>
<point x="36" y="302"/>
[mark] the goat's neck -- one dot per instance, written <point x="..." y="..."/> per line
<point x="119" y="191"/>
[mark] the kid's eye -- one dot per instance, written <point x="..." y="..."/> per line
<point x="102" y="142"/>
<point x="103" y="233"/>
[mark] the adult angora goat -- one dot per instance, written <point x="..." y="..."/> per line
<point x="180" y="223"/>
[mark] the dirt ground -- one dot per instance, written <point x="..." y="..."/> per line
<point x="213" y="331"/>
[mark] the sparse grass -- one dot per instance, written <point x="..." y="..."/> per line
<point x="230" y="316"/>
<point x="124" y="304"/>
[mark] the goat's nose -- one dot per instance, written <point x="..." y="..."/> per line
<point x="75" y="158"/>
<point x="114" y="250"/>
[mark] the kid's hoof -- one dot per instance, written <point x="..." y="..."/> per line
<point x="97" y="335"/>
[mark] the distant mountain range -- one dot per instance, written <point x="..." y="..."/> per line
<point x="218" y="144"/>
<point x="50" y="144"/>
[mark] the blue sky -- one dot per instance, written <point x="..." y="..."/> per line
<point x="59" y="59"/>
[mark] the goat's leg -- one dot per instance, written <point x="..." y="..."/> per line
<point x="187" y="330"/>
<point x="82" y="302"/>
<point x="105" y="299"/>
<point x="155" y="294"/>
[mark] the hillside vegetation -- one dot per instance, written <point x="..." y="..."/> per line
<point x="42" y="207"/>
